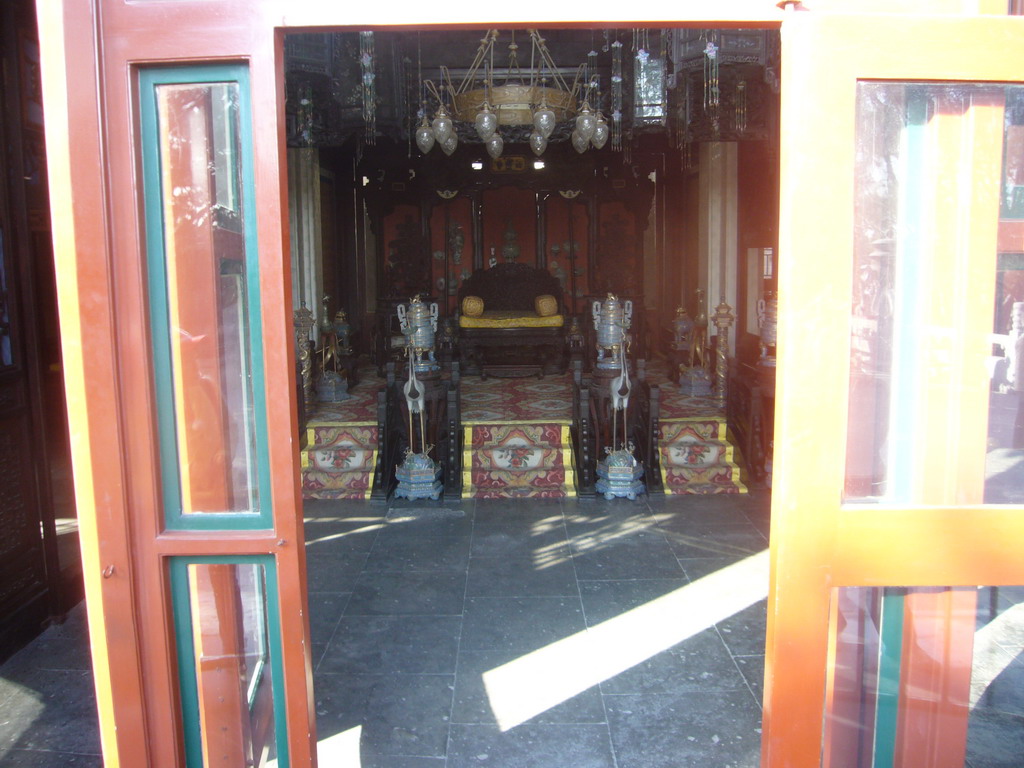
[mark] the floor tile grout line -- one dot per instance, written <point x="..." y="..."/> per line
<point x="344" y="609"/>
<point x="733" y="657"/>
<point x="586" y="626"/>
<point x="60" y="752"/>
<point x="458" y="645"/>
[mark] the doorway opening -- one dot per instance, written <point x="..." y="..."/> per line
<point x="544" y="624"/>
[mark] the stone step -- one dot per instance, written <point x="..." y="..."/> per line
<point x="480" y="436"/>
<point x="697" y="457"/>
<point x="498" y="484"/>
<point x="345" y="457"/>
<point x="697" y="454"/>
<point x="339" y="461"/>
<point x="327" y="435"/>
<point x="518" y="461"/>
<point x="703" y="480"/>
<point x="317" y="484"/>
<point x="710" y="428"/>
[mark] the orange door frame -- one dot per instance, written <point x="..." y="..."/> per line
<point x="818" y="544"/>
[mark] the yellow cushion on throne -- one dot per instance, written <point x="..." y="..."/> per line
<point x="511" y="318"/>
<point x="546" y="305"/>
<point x="472" y="306"/>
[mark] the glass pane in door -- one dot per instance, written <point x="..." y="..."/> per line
<point x="203" y="291"/>
<point x="1004" y="467"/>
<point x="929" y="168"/>
<point x="228" y="660"/>
<point x="926" y="678"/>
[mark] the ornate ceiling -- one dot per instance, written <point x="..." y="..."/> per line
<point x="687" y="85"/>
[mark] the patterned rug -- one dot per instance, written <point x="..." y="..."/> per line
<point x="516" y="441"/>
<point x="697" y="456"/>
<point x="360" y="408"/>
<point x="517" y="461"/>
<point x="340" y="455"/>
<point x="674" y="404"/>
<point x="523" y="401"/>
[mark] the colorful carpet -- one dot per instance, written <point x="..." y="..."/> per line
<point x="674" y="404"/>
<point x="517" y="461"/>
<point x="697" y="456"/>
<point x="525" y="400"/>
<point x="360" y="408"/>
<point x="340" y="454"/>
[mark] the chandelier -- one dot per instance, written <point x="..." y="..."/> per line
<point x="539" y="101"/>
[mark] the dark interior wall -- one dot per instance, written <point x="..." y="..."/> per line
<point x="418" y="230"/>
<point x="689" y="214"/>
<point x="40" y="571"/>
<point x="676" y="245"/>
<point x="344" y="272"/>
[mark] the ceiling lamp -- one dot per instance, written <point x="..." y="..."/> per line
<point x="537" y="99"/>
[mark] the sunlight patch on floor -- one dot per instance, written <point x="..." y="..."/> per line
<point x="30" y="708"/>
<point x="986" y="646"/>
<point x="343" y="534"/>
<point x="593" y="539"/>
<point x="341" y="749"/>
<point x="317" y="519"/>
<point x="542" y="679"/>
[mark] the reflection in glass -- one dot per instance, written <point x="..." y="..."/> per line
<point x="935" y="164"/>
<point x="228" y="607"/>
<point x="650" y="88"/>
<point x="1004" y="470"/>
<point x="206" y="297"/>
<point x="925" y="677"/>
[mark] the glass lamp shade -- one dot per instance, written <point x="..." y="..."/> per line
<point x="544" y="121"/>
<point x="486" y="123"/>
<point x="586" y="123"/>
<point x="443" y="127"/>
<point x="600" y="136"/>
<point x="495" y="145"/>
<point x="425" y="137"/>
<point x="448" y="145"/>
<point x="579" y="143"/>
<point x="538" y="143"/>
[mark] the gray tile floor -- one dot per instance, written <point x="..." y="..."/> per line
<point x="518" y="634"/>
<point x="413" y="603"/>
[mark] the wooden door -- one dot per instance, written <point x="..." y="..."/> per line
<point x="896" y="528"/>
<point x="166" y="158"/>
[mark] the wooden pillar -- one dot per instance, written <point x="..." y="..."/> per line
<point x="540" y="199"/>
<point x="478" y="230"/>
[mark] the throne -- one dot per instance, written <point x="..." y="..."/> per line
<point x="511" y="322"/>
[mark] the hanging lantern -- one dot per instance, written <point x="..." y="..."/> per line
<point x="544" y="120"/>
<point x="425" y="136"/>
<point x="538" y="143"/>
<point x="495" y="145"/>
<point x="486" y="122"/>
<point x="586" y="123"/>
<point x="579" y="143"/>
<point x="443" y="126"/>
<point x="601" y="132"/>
<point x="448" y="145"/>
